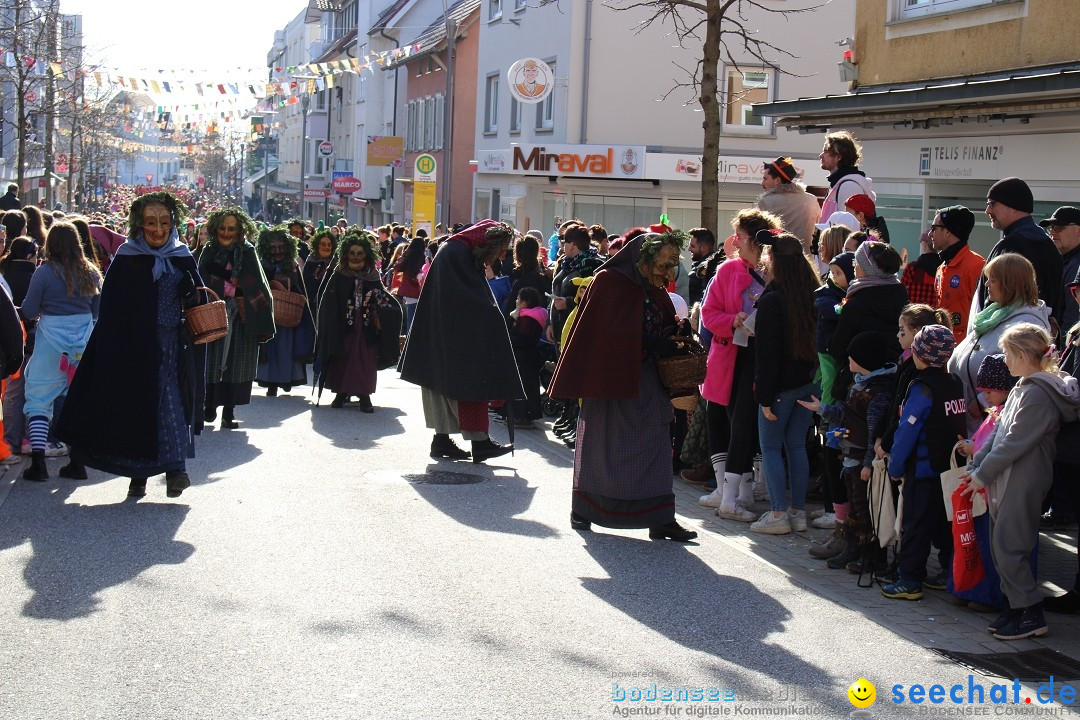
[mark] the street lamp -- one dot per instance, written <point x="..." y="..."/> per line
<point x="305" y="100"/>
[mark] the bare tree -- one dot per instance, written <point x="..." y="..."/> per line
<point x="723" y="31"/>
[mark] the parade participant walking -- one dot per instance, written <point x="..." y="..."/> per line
<point x="229" y="266"/>
<point x="359" y="323"/>
<point x="459" y="350"/>
<point x="133" y="406"/>
<point x="63" y="296"/>
<point x="622" y="472"/>
<point x="283" y="359"/>
<point x="319" y="264"/>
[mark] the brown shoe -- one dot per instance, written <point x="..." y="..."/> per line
<point x="697" y="475"/>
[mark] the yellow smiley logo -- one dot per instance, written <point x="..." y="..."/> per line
<point x="862" y="693"/>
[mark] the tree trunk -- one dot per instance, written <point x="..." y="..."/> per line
<point x="50" y="101"/>
<point x="710" y="106"/>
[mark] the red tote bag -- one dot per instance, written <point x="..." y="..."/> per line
<point x="967" y="567"/>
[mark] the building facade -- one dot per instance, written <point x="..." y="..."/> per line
<point x="616" y="142"/>
<point x="952" y="95"/>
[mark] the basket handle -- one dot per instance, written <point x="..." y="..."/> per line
<point x="210" y="292"/>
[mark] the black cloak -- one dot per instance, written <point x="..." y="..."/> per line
<point x="112" y="404"/>
<point x="459" y="345"/>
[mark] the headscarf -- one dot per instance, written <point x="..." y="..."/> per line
<point x="173" y="248"/>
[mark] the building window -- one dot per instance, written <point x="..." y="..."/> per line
<point x="519" y="5"/>
<point x="741" y="89"/>
<point x="494" y="9"/>
<point x="545" y="111"/>
<point x="429" y="123"/>
<point x="918" y="8"/>
<point x="440" y="122"/>
<point x="491" y="103"/>
<point x="515" y="115"/>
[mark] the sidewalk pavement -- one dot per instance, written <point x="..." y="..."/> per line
<point x="931" y="622"/>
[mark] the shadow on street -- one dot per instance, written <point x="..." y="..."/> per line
<point x="81" y="550"/>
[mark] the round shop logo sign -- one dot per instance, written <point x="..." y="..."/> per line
<point x="628" y="161"/>
<point x="531" y="80"/>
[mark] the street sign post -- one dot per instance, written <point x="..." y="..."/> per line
<point x="326" y="148"/>
<point x="424" y="168"/>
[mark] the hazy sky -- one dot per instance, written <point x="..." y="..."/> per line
<point x="213" y="35"/>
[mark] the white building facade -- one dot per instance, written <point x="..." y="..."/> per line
<point x="604" y="147"/>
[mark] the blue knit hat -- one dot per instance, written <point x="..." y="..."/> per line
<point x="994" y="374"/>
<point x="933" y="344"/>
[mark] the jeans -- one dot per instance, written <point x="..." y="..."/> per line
<point x="786" y="436"/>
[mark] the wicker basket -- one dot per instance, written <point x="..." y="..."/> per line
<point x="207" y="322"/>
<point x="288" y="308"/>
<point x="683" y="372"/>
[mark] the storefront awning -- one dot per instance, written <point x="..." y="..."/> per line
<point x="1001" y="96"/>
<point x="283" y="189"/>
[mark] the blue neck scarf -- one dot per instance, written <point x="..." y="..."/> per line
<point x="173" y="248"/>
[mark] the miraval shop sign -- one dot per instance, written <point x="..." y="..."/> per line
<point x="595" y="161"/>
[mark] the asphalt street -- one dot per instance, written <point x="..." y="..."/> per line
<point x="315" y="570"/>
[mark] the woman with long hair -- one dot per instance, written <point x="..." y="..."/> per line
<point x="35" y="224"/>
<point x="230" y="267"/>
<point x="87" y="241"/>
<point x="410" y="266"/>
<point x="526" y="273"/>
<point x="784" y="368"/>
<point x="64" y="295"/>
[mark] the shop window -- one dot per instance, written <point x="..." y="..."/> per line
<point x="741" y="89"/>
<point x="482" y="204"/>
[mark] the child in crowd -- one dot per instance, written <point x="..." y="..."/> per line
<point x="827" y="300"/>
<point x="1015" y="465"/>
<point x="994" y="382"/>
<point x="931" y="418"/>
<point x="528" y="321"/>
<point x="857" y="421"/>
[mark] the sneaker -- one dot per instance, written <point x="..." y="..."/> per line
<point x="737" y="513"/>
<point x="769" y="525"/>
<point x="1002" y="620"/>
<point x="815" y="513"/>
<point x="826" y="521"/>
<point x="12" y="459"/>
<point x="56" y="449"/>
<point x="713" y="500"/>
<point x="1029" y="623"/>
<point x="903" y="590"/>
<point x="797" y="518"/>
<point x="25" y="448"/>
<point x="937" y="582"/>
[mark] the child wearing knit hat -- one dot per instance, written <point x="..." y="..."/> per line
<point x="993" y="382"/>
<point x="931" y="419"/>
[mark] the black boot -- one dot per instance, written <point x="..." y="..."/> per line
<point x="365" y="404"/>
<point x="850" y="552"/>
<point x="228" y="421"/>
<point x="37" y="472"/>
<point x="271" y="391"/>
<point x="487" y="449"/>
<point x="443" y="447"/>
<point x="176" y="482"/>
<point x="579" y="523"/>
<point x="339" y="401"/>
<point x="209" y="414"/>
<point x="672" y="531"/>
<point x="73" y="471"/>
<point x="137" y="487"/>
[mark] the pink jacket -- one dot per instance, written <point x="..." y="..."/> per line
<point x="722" y="304"/>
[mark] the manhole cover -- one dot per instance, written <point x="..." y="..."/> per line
<point x="1029" y="665"/>
<point x="443" y="477"/>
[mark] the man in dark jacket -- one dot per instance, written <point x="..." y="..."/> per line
<point x="1064" y="229"/>
<point x="704" y="261"/>
<point x="11" y="200"/>
<point x="1009" y="203"/>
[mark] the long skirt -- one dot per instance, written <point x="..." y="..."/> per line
<point x="622" y="468"/>
<point x="173" y="437"/>
<point x="230" y="364"/>
<point x="278" y="362"/>
<point x="355" y="373"/>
